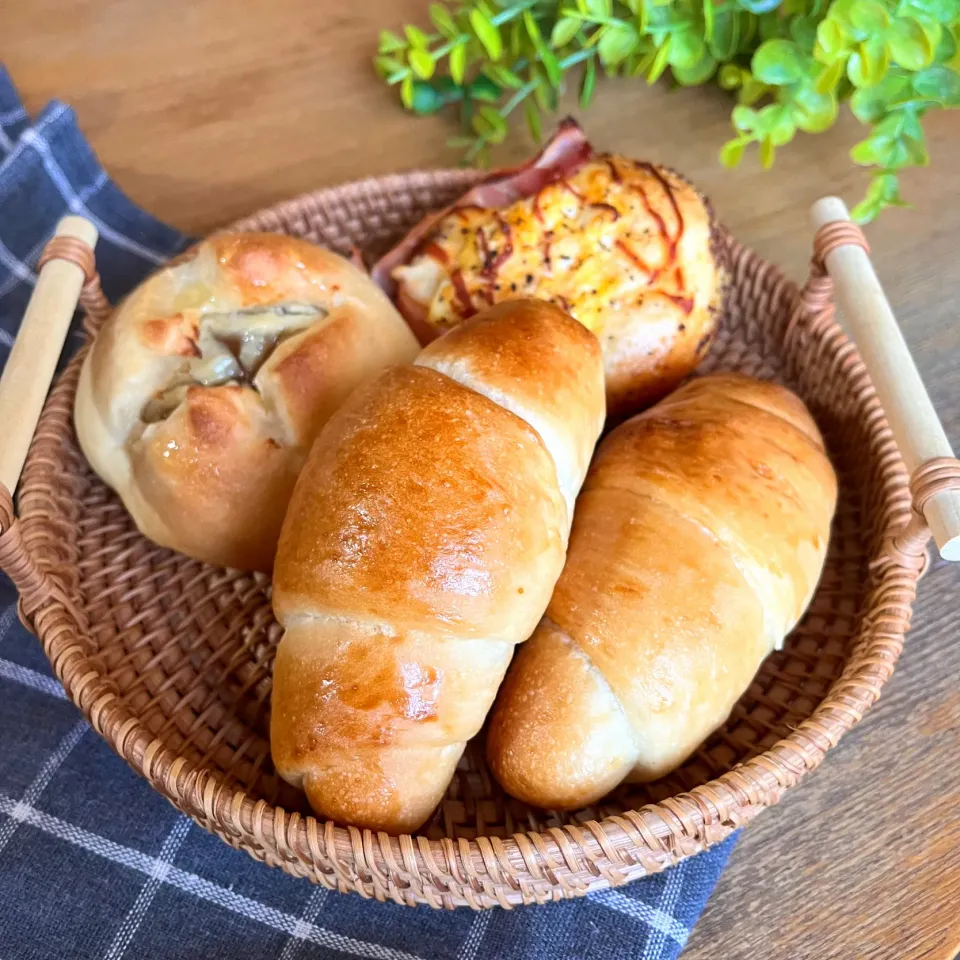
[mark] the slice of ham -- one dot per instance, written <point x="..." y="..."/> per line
<point x="565" y="152"/>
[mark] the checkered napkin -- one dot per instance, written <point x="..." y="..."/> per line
<point x="93" y="862"/>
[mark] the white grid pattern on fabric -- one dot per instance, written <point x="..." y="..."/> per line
<point x="13" y="116"/>
<point x="30" y="678"/>
<point x="6" y="619"/>
<point x="468" y="949"/>
<point x="33" y="139"/>
<point x="47" y="771"/>
<point x="668" y="900"/>
<point x="30" y="277"/>
<point x="292" y="947"/>
<point x="133" y="919"/>
<point x="57" y="112"/>
<point x="654" y="917"/>
<point x="5" y="140"/>
<point x="19" y="271"/>
<point x="197" y="886"/>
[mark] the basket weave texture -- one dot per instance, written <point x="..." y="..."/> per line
<point x="171" y="660"/>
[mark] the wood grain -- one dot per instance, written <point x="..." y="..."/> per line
<point x="204" y="110"/>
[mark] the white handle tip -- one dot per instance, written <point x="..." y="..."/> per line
<point x="78" y="227"/>
<point x="828" y="210"/>
<point x="951" y="549"/>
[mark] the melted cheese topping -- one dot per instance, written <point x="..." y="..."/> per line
<point x="606" y="239"/>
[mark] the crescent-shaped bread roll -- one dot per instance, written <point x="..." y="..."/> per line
<point x="423" y="540"/>
<point x="699" y="538"/>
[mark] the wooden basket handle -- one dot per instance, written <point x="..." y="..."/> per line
<point x="66" y="265"/>
<point x="934" y="471"/>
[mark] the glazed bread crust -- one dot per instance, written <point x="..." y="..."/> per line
<point x="422" y="543"/>
<point x="699" y="538"/>
<point x="204" y="390"/>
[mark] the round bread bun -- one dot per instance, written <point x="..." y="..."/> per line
<point x="203" y="392"/>
<point x="625" y="247"/>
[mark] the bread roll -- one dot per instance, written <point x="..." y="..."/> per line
<point x="626" y="247"/>
<point x="699" y="538"/>
<point x="205" y="388"/>
<point x="423" y="541"/>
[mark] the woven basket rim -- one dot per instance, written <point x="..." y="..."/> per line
<point x="611" y="850"/>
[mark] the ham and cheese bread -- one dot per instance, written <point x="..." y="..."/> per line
<point x="623" y="246"/>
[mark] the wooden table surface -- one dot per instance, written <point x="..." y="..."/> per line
<point x="203" y="110"/>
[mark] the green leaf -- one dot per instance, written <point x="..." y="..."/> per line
<point x="731" y="153"/>
<point x="871" y="104"/>
<point x="421" y="63"/>
<point x="551" y="66"/>
<point x="940" y="85"/>
<point x="440" y="16"/>
<point x="387" y="66"/>
<point x="744" y="119"/>
<point x="954" y="62"/>
<point x="910" y="45"/>
<point x="503" y="76"/>
<point x="776" y="122"/>
<point x="687" y="49"/>
<point x="406" y="91"/>
<point x="884" y="191"/>
<point x="813" y="111"/>
<point x="869" y="64"/>
<point x="458" y="62"/>
<point x="497" y="126"/>
<point x="752" y="90"/>
<point x="533" y="29"/>
<point x="726" y="34"/>
<point x="916" y="151"/>
<point x="729" y="77"/>
<point x="931" y="28"/>
<point x="867" y="152"/>
<point x="533" y="120"/>
<point x="829" y="76"/>
<point x="832" y="40"/>
<point x="390" y="42"/>
<point x="617" y="43"/>
<point x="516" y="33"/>
<point x="709" y="20"/>
<point x="599" y="8"/>
<point x="767" y="153"/>
<point x="564" y="30"/>
<point x="486" y="33"/>
<point x="943" y="11"/>
<point x="759" y="6"/>
<point x="416" y="37"/>
<point x="485" y="89"/>
<point x="589" y="84"/>
<point x="778" y="62"/>
<point x="543" y="93"/>
<point x="869" y="18"/>
<point x="660" y="60"/>
<point x="803" y="31"/>
<point x="699" y="73"/>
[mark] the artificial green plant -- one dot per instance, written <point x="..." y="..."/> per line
<point x="790" y="64"/>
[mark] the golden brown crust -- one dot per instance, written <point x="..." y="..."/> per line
<point x="204" y="390"/>
<point x="699" y="537"/>
<point x="357" y="543"/>
<point x="422" y="542"/>
<point x="626" y="247"/>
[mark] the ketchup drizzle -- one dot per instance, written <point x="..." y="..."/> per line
<point x="464" y="304"/>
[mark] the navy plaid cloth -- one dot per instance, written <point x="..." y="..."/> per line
<point x="95" y="864"/>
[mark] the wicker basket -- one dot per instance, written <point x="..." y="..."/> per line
<point x="170" y="660"/>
